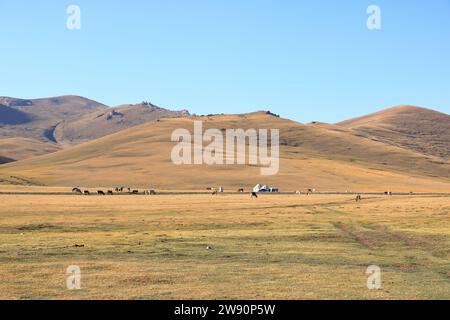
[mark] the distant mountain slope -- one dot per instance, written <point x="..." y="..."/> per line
<point x="414" y="128"/>
<point x="57" y="108"/>
<point x="324" y="158"/>
<point x="37" y="118"/>
<point x="34" y="121"/>
<point x="101" y="123"/>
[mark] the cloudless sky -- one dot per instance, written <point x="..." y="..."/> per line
<point x="306" y="60"/>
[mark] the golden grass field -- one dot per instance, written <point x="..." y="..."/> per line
<point x="273" y="247"/>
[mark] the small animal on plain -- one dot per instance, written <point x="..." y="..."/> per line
<point x="129" y="189"/>
<point x="298" y="192"/>
<point x="358" y="198"/>
<point x="77" y="191"/>
<point x="215" y="192"/>
<point x="150" y="192"/>
<point x="254" y="195"/>
<point x="388" y="193"/>
<point x="100" y="192"/>
<point x="86" y="192"/>
<point x="241" y="190"/>
<point x="209" y="189"/>
<point x="135" y="192"/>
<point x="110" y="193"/>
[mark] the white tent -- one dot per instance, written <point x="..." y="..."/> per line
<point x="264" y="188"/>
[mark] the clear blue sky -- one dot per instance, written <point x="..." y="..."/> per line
<point x="307" y="60"/>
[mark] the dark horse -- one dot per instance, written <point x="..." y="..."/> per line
<point x="77" y="191"/>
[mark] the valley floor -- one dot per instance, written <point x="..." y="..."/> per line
<point x="224" y="247"/>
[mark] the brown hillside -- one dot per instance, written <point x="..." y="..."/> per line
<point x="414" y="128"/>
<point x="23" y="148"/>
<point x="53" y="108"/>
<point x="104" y="122"/>
<point x="311" y="157"/>
<point x="35" y="120"/>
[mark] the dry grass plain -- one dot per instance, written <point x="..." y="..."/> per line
<point x="274" y="247"/>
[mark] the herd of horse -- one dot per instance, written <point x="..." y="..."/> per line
<point x="121" y="190"/>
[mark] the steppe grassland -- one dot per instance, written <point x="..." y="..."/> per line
<point x="273" y="247"/>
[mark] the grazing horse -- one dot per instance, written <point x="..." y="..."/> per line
<point x="86" y="192"/>
<point x="100" y="192"/>
<point x="358" y="198"/>
<point x="110" y="193"/>
<point x="241" y="190"/>
<point x="77" y="191"/>
<point x="254" y="195"/>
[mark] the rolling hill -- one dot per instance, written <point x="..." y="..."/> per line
<point x="409" y="127"/>
<point x="101" y="123"/>
<point x="13" y="149"/>
<point x="325" y="157"/>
